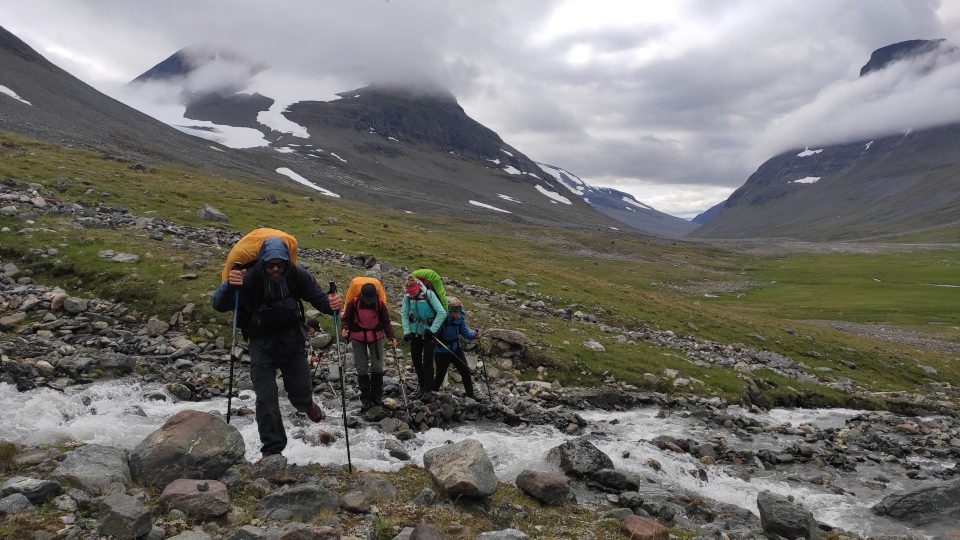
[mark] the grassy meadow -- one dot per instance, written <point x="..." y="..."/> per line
<point x="627" y="280"/>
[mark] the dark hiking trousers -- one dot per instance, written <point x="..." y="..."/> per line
<point x="459" y="361"/>
<point x="421" y="353"/>
<point x="296" y="381"/>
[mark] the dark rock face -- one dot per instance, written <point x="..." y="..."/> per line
<point x="785" y="518"/>
<point x="885" y="56"/>
<point x="433" y="118"/>
<point x="939" y="503"/>
<point x="579" y="458"/>
<point x="239" y="110"/>
<point x="191" y="444"/>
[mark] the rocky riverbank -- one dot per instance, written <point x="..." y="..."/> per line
<point x="54" y="338"/>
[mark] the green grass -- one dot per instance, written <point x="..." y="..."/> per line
<point x="905" y="289"/>
<point x="627" y="280"/>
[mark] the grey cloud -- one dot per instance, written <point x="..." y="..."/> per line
<point x="724" y="84"/>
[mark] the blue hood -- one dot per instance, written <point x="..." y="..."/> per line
<point x="274" y="248"/>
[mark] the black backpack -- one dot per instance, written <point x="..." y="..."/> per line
<point x="271" y="316"/>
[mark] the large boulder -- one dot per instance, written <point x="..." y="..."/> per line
<point x="14" y="503"/>
<point x="462" y="469"/>
<point x="785" y="518"/>
<point x="200" y="499"/>
<point x="94" y="467"/>
<point x="548" y="488"/>
<point x="124" y="517"/>
<point x="192" y="444"/>
<point x="579" y="458"/>
<point x="37" y="491"/>
<point x="210" y="213"/>
<point x="935" y="503"/>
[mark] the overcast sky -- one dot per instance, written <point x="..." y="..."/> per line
<point x="676" y="102"/>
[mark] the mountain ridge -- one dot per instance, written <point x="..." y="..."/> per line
<point x="871" y="187"/>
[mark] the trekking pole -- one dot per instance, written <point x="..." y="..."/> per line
<point x="486" y="376"/>
<point x="403" y="385"/>
<point x="313" y="355"/>
<point x="461" y="362"/>
<point x="343" y="394"/>
<point x="233" y="343"/>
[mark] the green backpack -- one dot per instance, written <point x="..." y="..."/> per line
<point x="433" y="282"/>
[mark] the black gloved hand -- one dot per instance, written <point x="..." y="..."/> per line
<point x="427" y="334"/>
<point x="407" y="337"/>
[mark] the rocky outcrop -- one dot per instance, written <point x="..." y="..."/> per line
<point x="191" y="444"/>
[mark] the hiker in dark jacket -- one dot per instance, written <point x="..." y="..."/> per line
<point x="270" y="303"/>
<point x="453" y="328"/>
<point x="366" y="321"/>
<point x="421" y="314"/>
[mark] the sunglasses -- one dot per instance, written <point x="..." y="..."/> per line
<point x="271" y="265"/>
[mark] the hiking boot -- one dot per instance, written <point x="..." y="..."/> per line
<point x="315" y="413"/>
<point x="376" y="389"/>
<point x="363" y="381"/>
<point x="264" y="456"/>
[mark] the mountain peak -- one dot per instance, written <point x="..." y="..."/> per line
<point x="189" y="59"/>
<point x="884" y="56"/>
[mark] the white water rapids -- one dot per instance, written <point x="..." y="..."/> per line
<point x="117" y="413"/>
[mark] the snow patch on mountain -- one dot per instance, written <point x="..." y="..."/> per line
<point x="508" y="198"/>
<point x="505" y="152"/>
<point x="489" y="207"/>
<point x="512" y="170"/>
<point x="808" y="152"/>
<point x="867" y="147"/>
<point x="338" y="157"/>
<point x="634" y="202"/>
<point x="230" y="136"/>
<point x="285" y="150"/>
<point x="301" y="180"/>
<point x="567" y="179"/>
<point x="556" y="197"/>
<point x="274" y="119"/>
<point x="805" y="180"/>
<point x="11" y="93"/>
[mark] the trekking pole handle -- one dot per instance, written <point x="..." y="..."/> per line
<point x="333" y="288"/>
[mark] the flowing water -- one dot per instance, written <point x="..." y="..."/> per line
<point x="121" y="413"/>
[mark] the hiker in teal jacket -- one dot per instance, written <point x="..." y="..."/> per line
<point x="421" y="315"/>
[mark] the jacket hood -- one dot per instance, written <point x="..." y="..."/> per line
<point x="274" y="248"/>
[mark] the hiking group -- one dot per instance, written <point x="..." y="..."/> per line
<point x="265" y="289"/>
